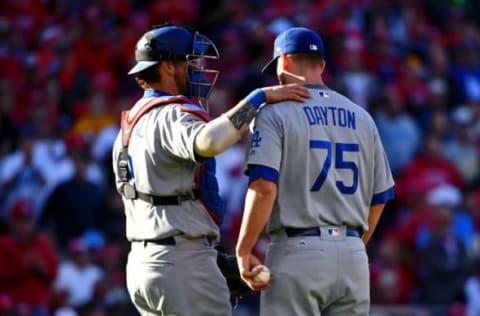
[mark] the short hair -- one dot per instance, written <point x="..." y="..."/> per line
<point x="307" y="59"/>
<point x="149" y="75"/>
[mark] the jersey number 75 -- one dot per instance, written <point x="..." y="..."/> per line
<point x="340" y="163"/>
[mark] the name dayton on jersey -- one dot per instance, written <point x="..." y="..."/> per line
<point x="329" y="115"/>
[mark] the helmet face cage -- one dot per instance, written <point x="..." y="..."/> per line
<point x="201" y="79"/>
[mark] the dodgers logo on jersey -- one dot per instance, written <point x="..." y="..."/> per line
<point x="256" y="139"/>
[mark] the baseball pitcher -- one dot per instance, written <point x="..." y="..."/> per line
<point x="318" y="174"/>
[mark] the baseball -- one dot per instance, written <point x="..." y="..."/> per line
<point x="264" y="275"/>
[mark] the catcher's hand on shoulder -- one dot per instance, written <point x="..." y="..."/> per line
<point x="292" y="91"/>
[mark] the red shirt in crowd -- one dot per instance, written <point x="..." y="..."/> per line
<point x="425" y="173"/>
<point x="27" y="270"/>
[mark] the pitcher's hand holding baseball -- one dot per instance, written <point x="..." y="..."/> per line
<point x="253" y="273"/>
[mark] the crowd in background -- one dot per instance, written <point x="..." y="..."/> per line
<point x="414" y="65"/>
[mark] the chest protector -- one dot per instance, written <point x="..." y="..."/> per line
<point x="206" y="185"/>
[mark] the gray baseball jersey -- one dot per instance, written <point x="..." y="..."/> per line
<point x="325" y="156"/>
<point x="163" y="162"/>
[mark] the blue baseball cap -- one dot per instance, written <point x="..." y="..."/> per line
<point x="167" y="42"/>
<point x="295" y="40"/>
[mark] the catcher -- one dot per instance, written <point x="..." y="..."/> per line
<point x="164" y="170"/>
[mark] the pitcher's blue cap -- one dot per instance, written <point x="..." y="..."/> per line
<point x="293" y="41"/>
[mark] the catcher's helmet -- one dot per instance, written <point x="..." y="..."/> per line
<point x="170" y="42"/>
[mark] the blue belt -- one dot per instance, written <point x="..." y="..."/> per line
<point x="170" y="241"/>
<point x="315" y="231"/>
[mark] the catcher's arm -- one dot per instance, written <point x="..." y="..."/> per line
<point x="226" y="130"/>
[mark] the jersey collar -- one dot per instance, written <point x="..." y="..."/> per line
<point x="315" y="86"/>
<point x="149" y="93"/>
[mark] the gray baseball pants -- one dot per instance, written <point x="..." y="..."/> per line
<point x="180" y="280"/>
<point x="317" y="276"/>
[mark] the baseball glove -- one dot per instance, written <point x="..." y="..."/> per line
<point x="228" y="265"/>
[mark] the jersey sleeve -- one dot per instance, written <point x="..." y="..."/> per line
<point x="265" y="147"/>
<point x="115" y="158"/>
<point x="382" y="176"/>
<point x="180" y="129"/>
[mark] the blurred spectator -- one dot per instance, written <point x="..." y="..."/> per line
<point x="7" y="126"/>
<point x="437" y="103"/>
<point x="472" y="206"/>
<point x="414" y="223"/>
<point x="28" y="261"/>
<point x="75" y="144"/>
<point x="233" y="63"/>
<point x="427" y="170"/>
<point x="75" y="205"/>
<point x="6" y="305"/>
<point x="22" y="174"/>
<point x="472" y="293"/>
<point x="466" y="71"/>
<point x="410" y="84"/>
<point x="95" y="115"/>
<point x="65" y="311"/>
<point x="114" y="295"/>
<point x="444" y="257"/>
<point x="33" y="169"/>
<point x="78" y="276"/>
<point x="439" y="124"/>
<point x="93" y="52"/>
<point x="112" y="217"/>
<point x="439" y="78"/>
<point x="393" y="120"/>
<point x="102" y="144"/>
<point x="462" y="149"/>
<point x="463" y="226"/>
<point x="381" y="58"/>
<point x="391" y="280"/>
<point x="354" y="80"/>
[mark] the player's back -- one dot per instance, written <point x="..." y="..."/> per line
<point x="327" y="160"/>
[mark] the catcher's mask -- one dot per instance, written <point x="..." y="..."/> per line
<point x="175" y="43"/>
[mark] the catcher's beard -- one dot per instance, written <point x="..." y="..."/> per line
<point x="184" y="89"/>
<point x="181" y="82"/>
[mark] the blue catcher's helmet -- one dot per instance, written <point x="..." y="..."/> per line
<point x="175" y="43"/>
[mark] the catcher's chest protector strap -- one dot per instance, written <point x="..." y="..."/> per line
<point x="127" y="123"/>
<point x="126" y="129"/>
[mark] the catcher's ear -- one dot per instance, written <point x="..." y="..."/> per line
<point x="168" y="67"/>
